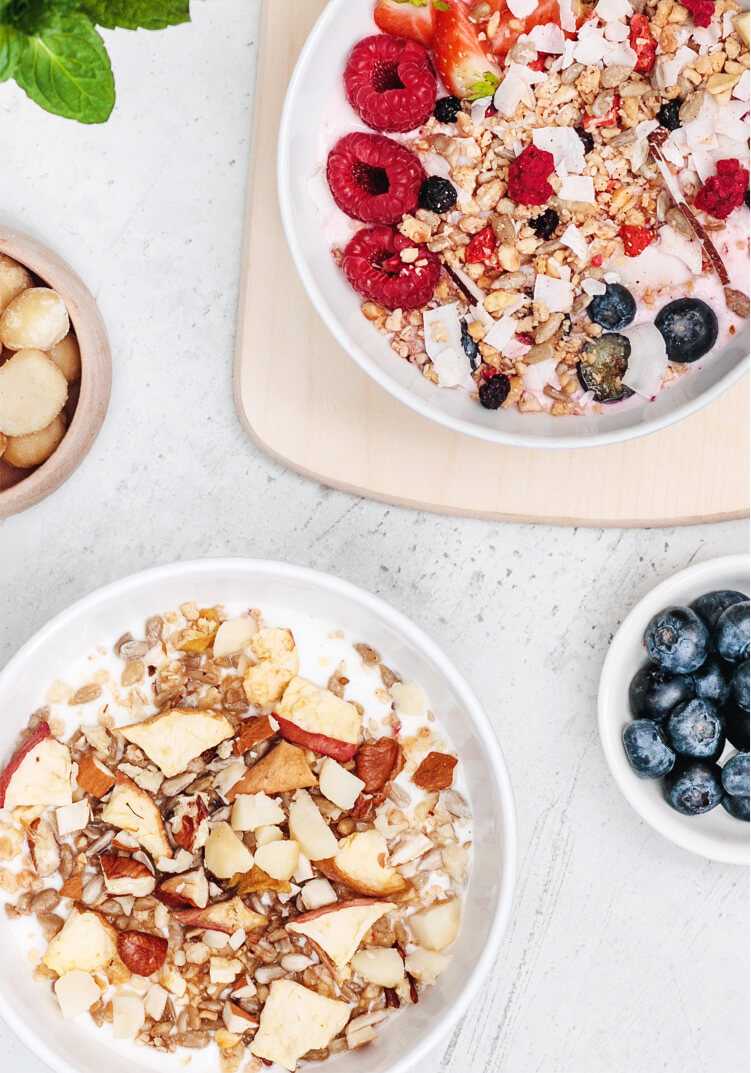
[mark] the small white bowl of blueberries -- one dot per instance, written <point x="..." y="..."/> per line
<point x="674" y="708"/>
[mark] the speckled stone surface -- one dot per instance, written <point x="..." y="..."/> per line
<point x="624" y="954"/>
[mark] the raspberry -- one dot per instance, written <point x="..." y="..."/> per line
<point x="373" y="178"/>
<point x="635" y="239"/>
<point x="390" y="83"/>
<point x="480" y="247"/>
<point x="724" y="191"/>
<point x="642" y="42"/>
<point x="701" y="11"/>
<point x="372" y="264"/>
<point x="528" y="176"/>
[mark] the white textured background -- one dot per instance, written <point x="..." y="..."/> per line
<point x="624" y="953"/>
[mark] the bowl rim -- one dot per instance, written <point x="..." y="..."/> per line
<point x="432" y="651"/>
<point x="433" y="412"/>
<point x="96" y="371"/>
<point x="610" y="736"/>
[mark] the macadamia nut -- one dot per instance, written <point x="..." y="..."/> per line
<point x="26" y="451"/>
<point x="13" y="279"/>
<point x="32" y="393"/>
<point x="35" y="319"/>
<point x="67" y="356"/>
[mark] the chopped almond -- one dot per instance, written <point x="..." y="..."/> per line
<point x="252" y="732"/>
<point x="93" y="777"/>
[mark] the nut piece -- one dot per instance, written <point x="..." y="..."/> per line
<point x="76" y="992"/>
<point x="32" y="392"/>
<point x="436" y="772"/>
<point x="43" y="848"/>
<point x="189" y="823"/>
<point x="737" y="302"/>
<point x="142" y="953"/>
<point x="36" y="318"/>
<point x="188" y="888"/>
<point x="94" y="777"/>
<point x="14" y="278"/>
<point x="378" y="763"/>
<point x="23" y="452"/>
<point x="124" y="875"/>
<point x="253" y="731"/>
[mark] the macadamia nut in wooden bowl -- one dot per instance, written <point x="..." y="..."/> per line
<point x="55" y="371"/>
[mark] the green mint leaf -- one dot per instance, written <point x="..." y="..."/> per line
<point x="11" y="46"/>
<point x="67" y="71"/>
<point x="441" y="5"/>
<point x="486" y="88"/>
<point x="137" y="14"/>
<point x="32" y="17"/>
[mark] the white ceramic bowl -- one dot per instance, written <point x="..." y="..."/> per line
<point x="29" y="1007"/>
<point x="715" y="834"/>
<point x="314" y="85"/>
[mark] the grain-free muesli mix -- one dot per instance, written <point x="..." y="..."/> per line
<point x="551" y="199"/>
<point x="200" y="844"/>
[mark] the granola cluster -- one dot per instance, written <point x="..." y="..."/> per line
<point x="526" y="249"/>
<point x="224" y="851"/>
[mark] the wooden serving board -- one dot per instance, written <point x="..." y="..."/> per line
<point x="310" y="407"/>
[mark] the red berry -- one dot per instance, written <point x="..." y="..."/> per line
<point x="724" y="191"/>
<point x="480" y="247"/>
<point x="701" y="11"/>
<point x="635" y="239"/>
<point x="373" y="178"/>
<point x="596" y="260"/>
<point x="390" y="83"/>
<point x="528" y="176"/>
<point x="374" y="268"/>
<point x="642" y="42"/>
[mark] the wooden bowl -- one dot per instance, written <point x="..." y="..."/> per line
<point x="19" y="492"/>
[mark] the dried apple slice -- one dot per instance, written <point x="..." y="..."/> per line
<point x="86" y="942"/>
<point x="252" y="732"/>
<point x="175" y="737"/>
<point x="39" y="773"/>
<point x="32" y="393"/>
<point x="132" y="810"/>
<point x="381" y="965"/>
<point x="279" y="771"/>
<point x="359" y="864"/>
<point x="257" y="880"/>
<point x="277" y="664"/>
<point x="319" y="720"/>
<point x="43" y="848"/>
<point x="226" y="916"/>
<point x="295" y="1020"/>
<point x="339" y="929"/>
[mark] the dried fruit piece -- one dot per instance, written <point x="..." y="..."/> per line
<point x="528" y="176"/>
<point x="43" y="848"/>
<point x="131" y="809"/>
<point x="86" y="942"/>
<point x="252" y="731"/>
<point x="642" y="42"/>
<point x="278" y="858"/>
<point x="309" y="829"/>
<point x="481" y="247"/>
<point x="723" y="191"/>
<point x="142" y="953"/>
<point x="189" y="888"/>
<point x="295" y="1020"/>
<point x="701" y="11"/>
<point x="200" y="634"/>
<point x="378" y="762"/>
<point x="361" y="865"/>
<point x="635" y="239"/>
<point x="319" y="720"/>
<point x="189" y="824"/>
<point x="39" y="773"/>
<point x="227" y="917"/>
<point x="339" y="929"/>
<point x="437" y="927"/>
<point x="175" y="737"/>
<point x="279" y="771"/>
<point x="257" y="880"/>
<point x="436" y="772"/>
<point x="234" y="635"/>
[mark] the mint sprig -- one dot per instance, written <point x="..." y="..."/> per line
<point x="485" y="88"/>
<point x="54" y="52"/>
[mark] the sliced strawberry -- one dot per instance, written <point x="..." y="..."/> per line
<point x="467" y="70"/>
<point x="405" y="18"/>
<point x="510" y="28"/>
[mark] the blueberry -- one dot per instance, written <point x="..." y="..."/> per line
<point x="696" y="729"/>
<point x="735" y="777"/>
<point x="437" y="194"/>
<point x="689" y="328"/>
<point x="545" y="224"/>
<point x="736" y="806"/>
<point x="648" y="753"/>
<point x="654" y="693"/>
<point x="470" y="347"/>
<point x="740" y="685"/>
<point x="494" y="391"/>
<point x="736" y="725"/>
<point x="615" y="309"/>
<point x="710" y="606"/>
<point x="712" y="681"/>
<point x="731" y="634"/>
<point x="586" y="139"/>
<point x="447" y="109"/>
<point x="677" y="640"/>
<point x="693" y="787"/>
<point x="668" y="115"/>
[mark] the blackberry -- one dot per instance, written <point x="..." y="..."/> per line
<point x="447" y="109"/>
<point x="586" y="139"/>
<point x="495" y="391"/>
<point x="667" y="116"/>
<point x="437" y="194"/>
<point x="544" y="226"/>
<point x="469" y="346"/>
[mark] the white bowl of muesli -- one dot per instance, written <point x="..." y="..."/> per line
<point x="527" y="221"/>
<point x="249" y="816"/>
